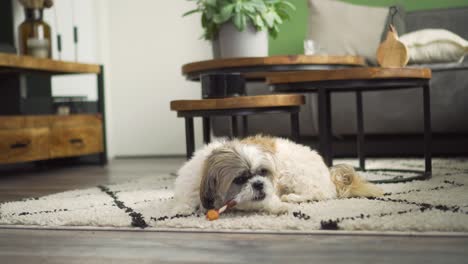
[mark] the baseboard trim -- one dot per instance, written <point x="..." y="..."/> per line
<point x="174" y="156"/>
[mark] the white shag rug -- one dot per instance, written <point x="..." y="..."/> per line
<point x="439" y="204"/>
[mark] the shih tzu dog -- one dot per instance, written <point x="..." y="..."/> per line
<point x="264" y="174"/>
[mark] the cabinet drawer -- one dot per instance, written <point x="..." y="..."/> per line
<point x="23" y="122"/>
<point x="19" y="145"/>
<point x="74" y="141"/>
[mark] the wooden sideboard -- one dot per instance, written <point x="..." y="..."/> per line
<point x="30" y="138"/>
<point x="25" y="138"/>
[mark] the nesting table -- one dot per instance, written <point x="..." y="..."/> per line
<point x="234" y="107"/>
<point x="257" y="69"/>
<point x="358" y="81"/>
<point x="325" y="75"/>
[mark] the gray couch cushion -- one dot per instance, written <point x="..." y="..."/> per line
<point x="453" y="19"/>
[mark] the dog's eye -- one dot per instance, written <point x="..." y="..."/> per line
<point x="262" y="172"/>
<point x="240" y="180"/>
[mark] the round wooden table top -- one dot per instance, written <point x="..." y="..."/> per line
<point x="260" y="67"/>
<point x="363" y="73"/>
<point x="258" y="101"/>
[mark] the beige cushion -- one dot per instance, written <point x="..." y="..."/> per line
<point x="434" y="46"/>
<point x="346" y="29"/>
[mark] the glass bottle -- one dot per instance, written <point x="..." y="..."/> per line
<point x="34" y="35"/>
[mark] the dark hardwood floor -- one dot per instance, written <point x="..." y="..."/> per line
<point x="66" y="246"/>
<point x="31" y="181"/>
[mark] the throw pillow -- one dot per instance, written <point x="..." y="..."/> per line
<point x="340" y="28"/>
<point x="434" y="46"/>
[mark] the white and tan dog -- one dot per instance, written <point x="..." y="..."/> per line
<point x="264" y="174"/>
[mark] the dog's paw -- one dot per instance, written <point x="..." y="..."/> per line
<point x="295" y="198"/>
<point x="292" y="198"/>
<point x="280" y="209"/>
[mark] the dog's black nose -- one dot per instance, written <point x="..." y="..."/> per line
<point x="257" y="185"/>
<point x="208" y="203"/>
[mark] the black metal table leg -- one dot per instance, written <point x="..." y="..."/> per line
<point x="427" y="130"/>
<point x="234" y="127"/>
<point x="360" y="131"/>
<point x="245" y="126"/>
<point x="102" y="109"/>
<point x="295" y="127"/>
<point x="324" y="116"/>
<point x="206" y="130"/>
<point x="189" y="137"/>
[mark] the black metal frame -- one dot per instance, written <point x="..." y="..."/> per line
<point x="324" y="90"/>
<point x="233" y="113"/>
<point x="103" y="159"/>
<point x="7" y="38"/>
<point x="195" y="76"/>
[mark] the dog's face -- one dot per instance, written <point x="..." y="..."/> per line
<point x="237" y="170"/>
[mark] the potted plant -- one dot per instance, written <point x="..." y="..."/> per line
<point x="240" y="28"/>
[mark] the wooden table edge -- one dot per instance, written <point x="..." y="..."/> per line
<point x="28" y="63"/>
<point x="368" y="73"/>
<point x="257" y="101"/>
<point x="271" y="60"/>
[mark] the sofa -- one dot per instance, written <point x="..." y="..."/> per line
<point x="393" y="119"/>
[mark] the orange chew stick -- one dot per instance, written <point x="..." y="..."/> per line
<point x="214" y="214"/>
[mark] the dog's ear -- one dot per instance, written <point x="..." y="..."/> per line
<point x="219" y="170"/>
<point x="208" y="189"/>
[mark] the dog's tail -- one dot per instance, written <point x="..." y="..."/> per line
<point x="349" y="184"/>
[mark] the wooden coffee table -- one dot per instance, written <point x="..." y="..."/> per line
<point x="258" y="68"/>
<point x="357" y="80"/>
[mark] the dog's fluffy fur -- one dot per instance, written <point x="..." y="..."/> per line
<point x="264" y="174"/>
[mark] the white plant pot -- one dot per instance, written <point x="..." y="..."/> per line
<point x="249" y="43"/>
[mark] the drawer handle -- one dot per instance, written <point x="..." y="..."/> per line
<point x="77" y="142"/>
<point x="18" y="145"/>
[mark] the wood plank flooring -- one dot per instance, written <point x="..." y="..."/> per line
<point x="25" y="246"/>
<point x="65" y="246"/>
<point x="33" y="182"/>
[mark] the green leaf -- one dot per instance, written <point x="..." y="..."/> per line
<point x="269" y="19"/>
<point x="240" y="21"/>
<point x="262" y="14"/>
<point x="287" y="4"/>
<point x="209" y="12"/>
<point x="283" y="14"/>
<point x="259" y="22"/>
<point x="227" y="10"/>
<point x="204" y="21"/>
<point x="191" y="12"/>
<point x="259" y="5"/>
<point x="210" y="2"/>
<point x="249" y="7"/>
<point x="224" y="15"/>
<point x="277" y="18"/>
<point x="238" y="6"/>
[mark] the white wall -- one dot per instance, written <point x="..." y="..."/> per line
<point x="149" y="42"/>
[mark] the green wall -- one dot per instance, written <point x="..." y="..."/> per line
<point x="293" y="32"/>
